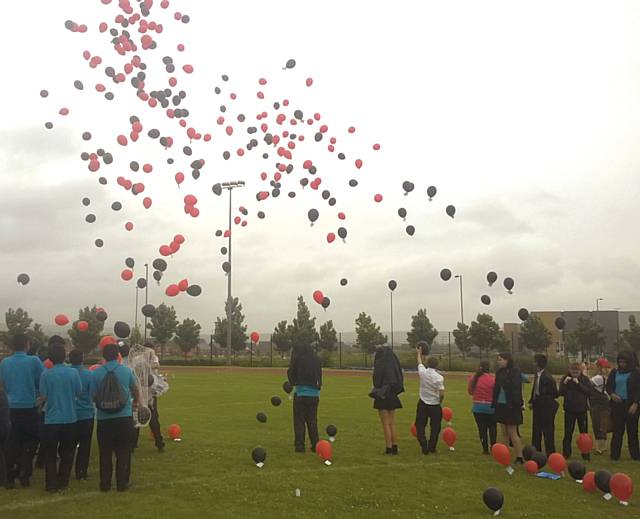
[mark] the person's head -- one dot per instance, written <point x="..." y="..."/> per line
<point x="43" y="353"/>
<point x="124" y="349"/>
<point x="76" y="357"/>
<point x="575" y="368"/>
<point x="55" y="340"/>
<point x="505" y="360"/>
<point x="483" y="368"/>
<point x="432" y="362"/>
<point x="57" y="353"/>
<point x="20" y="342"/>
<point x="540" y="361"/>
<point x="110" y="352"/>
<point x="603" y="366"/>
<point x="33" y="349"/>
<point x="625" y="361"/>
<point x="149" y="344"/>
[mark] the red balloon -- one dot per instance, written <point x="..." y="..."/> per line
<point x="324" y="450"/>
<point x="179" y="178"/>
<point x="165" y="250"/>
<point x="449" y="436"/>
<point x="126" y="275"/>
<point x="190" y="200"/>
<point x="122" y="140"/>
<point x="237" y="220"/>
<point x="413" y="431"/>
<point x="376" y="146"/>
<point x="174" y="247"/>
<point x="557" y="462"/>
<point x="531" y="467"/>
<point x="61" y="320"/>
<point x="501" y="454"/>
<point x="172" y="290"/>
<point x="175" y="432"/>
<point x="183" y="285"/>
<point x="378" y="198"/>
<point x="584" y="443"/>
<point x="179" y="239"/>
<point x="194" y="212"/>
<point x="331" y="237"/>
<point x="82" y="326"/>
<point x="106" y="340"/>
<point x="621" y="486"/>
<point x="447" y="414"/>
<point x="318" y="297"/>
<point x="188" y="69"/>
<point x="358" y="163"/>
<point x="589" y="482"/>
<point x="255" y="337"/>
<point x="128" y="226"/>
<point x="147" y="202"/>
<point x="341" y="216"/>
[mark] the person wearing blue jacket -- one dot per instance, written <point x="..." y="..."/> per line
<point x="86" y="413"/>
<point x="20" y="376"/>
<point x="5" y="427"/>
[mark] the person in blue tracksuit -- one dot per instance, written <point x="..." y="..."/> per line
<point x="86" y="413"/>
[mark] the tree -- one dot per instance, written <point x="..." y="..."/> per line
<point x="281" y="338"/>
<point x="421" y="329"/>
<point x="585" y="337"/>
<point x="238" y="329"/>
<point x="18" y="322"/>
<point x="631" y="337"/>
<point x="487" y="335"/>
<point x="462" y="338"/>
<point x="534" y="335"/>
<point x="163" y="325"/>
<point x="187" y="335"/>
<point x="87" y="341"/>
<point x="328" y="337"/>
<point x="303" y="329"/>
<point x="368" y="335"/>
<point x="136" y="336"/>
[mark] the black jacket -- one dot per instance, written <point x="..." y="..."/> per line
<point x="304" y="368"/>
<point x="509" y="379"/>
<point x="387" y="374"/>
<point x="576" y="396"/>
<point x="633" y="385"/>
<point x="547" y="392"/>
<point x="5" y="422"/>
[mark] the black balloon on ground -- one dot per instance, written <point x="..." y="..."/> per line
<point x="603" y="477"/>
<point x="540" y="458"/>
<point x="261" y="417"/>
<point x="577" y="470"/>
<point x="259" y="455"/>
<point x="332" y="430"/>
<point x="527" y="452"/>
<point x="287" y="387"/>
<point x="276" y="401"/>
<point x="493" y="498"/>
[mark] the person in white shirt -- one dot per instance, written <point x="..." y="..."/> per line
<point x="429" y="405"/>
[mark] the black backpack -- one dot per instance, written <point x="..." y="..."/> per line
<point x="109" y="396"/>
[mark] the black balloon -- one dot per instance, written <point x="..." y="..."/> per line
<point x="603" y="478"/>
<point x="313" y="215"/>
<point x="121" y="329"/>
<point x="577" y="470"/>
<point x="99" y="243"/>
<point x="431" y="192"/>
<point x="260" y="214"/>
<point x="194" y="290"/>
<point x="103" y="181"/>
<point x="159" y="264"/>
<point x="326" y="302"/>
<point x="342" y="232"/>
<point x="148" y="310"/>
<point x="218" y="233"/>
<point x="392" y="285"/>
<point x="259" y="455"/>
<point x="492" y="277"/>
<point x="223" y="250"/>
<point x="23" y="279"/>
<point x="287" y="387"/>
<point x="130" y="262"/>
<point x="528" y="451"/>
<point x="407" y="186"/>
<point x="90" y="218"/>
<point x="486" y="300"/>
<point x="343" y="282"/>
<point x="493" y="498"/>
<point x="402" y="212"/>
<point x="523" y="314"/>
<point x="217" y="189"/>
<point x="332" y="430"/>
<point x="78" y="84"/>
<point x="141" y="283"/>
<point x="451" y="211"/>
<point x="410" y="230"/>
<point x="157" y="275"/>
<point x="116" y="206"/>
<point x="261" y="417"/>
<point x="508" y="284"/>
<point x="560" y="323"/>
<point x="291" y="63"/>
<point x="540" y="458"/>
<point x="353" y="182"/>
<point x="445" y="274"/>
<point x="101" y="316"/>
<point x="276" y="401"/>
<point x="85" y="201"/>
<point x="226" y="266"/>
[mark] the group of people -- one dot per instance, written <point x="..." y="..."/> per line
<point x="47" y="403"/>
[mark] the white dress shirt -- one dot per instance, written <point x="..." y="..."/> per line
<point x="431" y="383"/>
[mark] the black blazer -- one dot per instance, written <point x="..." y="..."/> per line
<point x="576" y="395"/>
<point x="509" y="379"/>
<point x="304" y="368"/>
<point x="388" y="379"/>
<point x="548" y="390"/>
<point x="633" y="385"/>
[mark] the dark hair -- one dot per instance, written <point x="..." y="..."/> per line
<point x="432" y="362"/>
<point x="540" y="360"/>
<point x="43" y="353"/>
<point x="483" y="368"/>
<point x="110" y="352"/>
<point x="57" y="353"/>
<point x="149" y="344"/>
<point x="54" y="340"/>
<point x="124" y="349"/>
<point x="76" y="357"/>
<point x="508" y="357"/>
<point x="20" y="342"/>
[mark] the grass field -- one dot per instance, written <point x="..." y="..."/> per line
<point x="211" y="474"/>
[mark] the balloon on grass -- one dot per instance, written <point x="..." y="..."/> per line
<point x="501" y="454"/>
<point x="589" y="482"/>
<point x="577" y="470"/>
<point x="449" y="437"/>
<point x="531" y="467"/>
<point x="332" y="432"/>
<point x="527" y="452"/>
<point x="175" y="432"/>
<point x="287" y="387"/>
<point x="261" y="417"/>
<point x="557" y="462"/>
<point x="540" y="458"/>
<point x="493" y="499"/>
<point x="259" y="456"/>
<point x="276" y="401"/>
<point x="603" y="480"/>
<point x="621" y="487"/>
<point x="324" y="451"/>
<point x="584" y="443"/>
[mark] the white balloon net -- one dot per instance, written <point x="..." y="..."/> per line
<point x="141" y="361"/>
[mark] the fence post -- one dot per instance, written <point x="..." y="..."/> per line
<point x="211" y="350"/>
<point x="340" y="351"/>
<point x="449" y="351"/>
<point x="271" y="348"/>
<point x="251" y="354"/>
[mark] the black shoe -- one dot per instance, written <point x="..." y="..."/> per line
<point x="25" y="482"/>
<point x="161" y="448"/>
<point x="394" y="450"/>
<point x="300" y="449"/>
<point x="123" y="488"/>
<point x="425" y="450"/>
<point x="519" y="461"/>
<point x="485" y="451"/>
<point x="388" y="450"/>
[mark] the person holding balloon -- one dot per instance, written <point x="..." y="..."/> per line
<point x="430" y="402"/>
<point x="507" y="402"/>
<point x="599" y="405"/>
<point x="480" y="387"/>
<point x="623" y="384"/>
<point x="575" y="388"/>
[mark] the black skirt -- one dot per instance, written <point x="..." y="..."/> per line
<point x="508" y="415"/>
<point x="389" y="403"/>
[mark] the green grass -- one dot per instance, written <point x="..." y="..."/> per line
<point x="210" y="473"/>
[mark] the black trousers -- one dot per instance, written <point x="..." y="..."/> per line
<point x="570" y="420"/>
<point x="58" y="439"/>
<point x="39" y="450"/>
<point x="305" y="414"/>
<point x="21" y="444"/>
<point x="424" y="413"/>
<point x="154" y="425"/>
<point x="621" y="420"/>
<point x="544" y="426"/>
<point x="487" y="429"/>
<point x="114" y="438"/>
<point x="84" y="434"/>
<point x="4" y="435"/>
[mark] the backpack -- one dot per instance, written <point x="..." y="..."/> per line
<point x="109" y="396"/>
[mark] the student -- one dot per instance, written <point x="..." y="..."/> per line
<point x="599" y="404"/>
<point x="575" y="389"/>
<point x="59" y="388"/>
<point x="115" y="427"/>
<point x="429" y="406"/>
<point x="20" y="375"/>
<point x="544" y="405"/>
<point x="154" y="423"/>
<point x="387" y="385"/>
<point x="480" y="387"/>
<point x="305" y="375"/>
<point x="5" y="426"/>
<point x="86" y="413"/>
<point x="507" y="402"/>
<point x="623" y="384"/>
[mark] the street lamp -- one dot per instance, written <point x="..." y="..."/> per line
<point x="230" y="186"/>
<point x="459" y="277"/>
<point x="146" y="298"/>
<point x="598" y="303"/>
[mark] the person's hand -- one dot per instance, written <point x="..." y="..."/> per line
<point x="616" y="398"/>
<point x="575" y="380"/>
<point x="567" y="380"/>
<point x="633" y="408"/>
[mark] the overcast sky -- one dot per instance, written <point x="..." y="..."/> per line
<point x="526" y="116"/>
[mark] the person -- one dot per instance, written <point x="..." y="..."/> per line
<point x="20" y="375"/>
<point x="85" y="411"/>
<point x="5" y="426"/>
<point x="388" y="383"/>
<point x="507" y="402"/>
<point x="305" y="375"/>
<point x="59" y="388"/>
<point x="599" y="405"/>
<point x="544" y="405"/>
<point x="480" y="387"/>
<point x="42" y="352"/>
<point x="429" y="406"/>
<point x="154" y="423"/>
<point x="623" y="384"/>
<point x="575" y="388"/>
<point x="115" y="426"/>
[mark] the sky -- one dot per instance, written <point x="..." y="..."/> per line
<point x="524" y="115"/>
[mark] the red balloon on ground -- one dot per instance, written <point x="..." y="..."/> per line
<point x="557" y="462"/>
<point x="449" y="436"/>
<point x="447" y="414"/>
<point x="589" y="482"/>
<point x="174" y="431"/>
<point x="324" y="450"/>
<point x="531" y="467"/>
<point x="61" y="320"/>
<point x="621" y="486"/>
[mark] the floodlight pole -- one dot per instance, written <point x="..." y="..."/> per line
<point x="391" y="294"/>
<point x="146" y="299"/>
<point x="459" y="277"/>
<point x="135" y="319"/>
